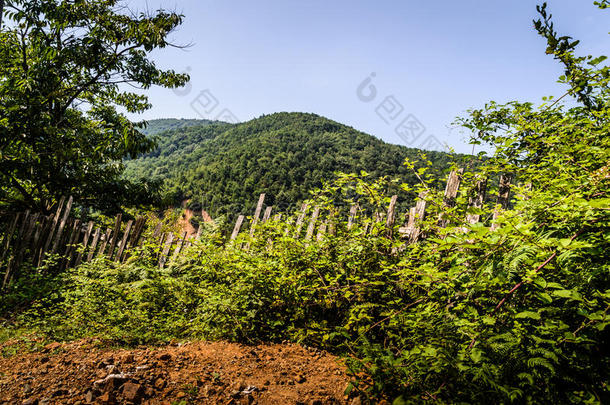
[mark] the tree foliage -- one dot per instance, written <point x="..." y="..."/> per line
<point x="64" y="68"/>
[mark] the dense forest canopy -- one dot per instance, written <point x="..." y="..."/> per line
<point x="224" y="167"/>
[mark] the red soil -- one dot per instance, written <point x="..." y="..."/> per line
<point x="192" y="373"/>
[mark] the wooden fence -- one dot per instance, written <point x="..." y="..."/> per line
<point x="36" y="238"/>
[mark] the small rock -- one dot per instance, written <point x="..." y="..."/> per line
<point x="106" y="398"/>
<point x="239" y="386"/>
<point x="52" y="346"/>
<point x="111" y="382"/>
<point x="27" y="389"/>
<point x="89" y="396"/>
<point x="159" y="383"/>
<point x="113" y="369"/>
<point x="59" y="393"/>
<point x="131" y="391"/>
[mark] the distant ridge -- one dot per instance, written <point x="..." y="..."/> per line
<point x="224" y="167"/>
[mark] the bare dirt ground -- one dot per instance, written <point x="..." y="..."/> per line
<point x="192" y="373"/>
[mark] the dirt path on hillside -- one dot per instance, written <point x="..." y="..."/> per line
<point x="193" y="373"/>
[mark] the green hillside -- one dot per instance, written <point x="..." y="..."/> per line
<point x="285" y="155"/>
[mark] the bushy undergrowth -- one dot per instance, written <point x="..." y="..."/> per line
<point x="434" y="320"/>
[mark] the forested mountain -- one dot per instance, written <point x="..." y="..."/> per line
<point x="285" y="155"/>
<point x="157" y="126"/>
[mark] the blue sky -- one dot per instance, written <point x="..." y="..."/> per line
<point x="435" y="59"/>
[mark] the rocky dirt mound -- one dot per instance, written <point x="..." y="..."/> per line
<point x="192" y="373"/>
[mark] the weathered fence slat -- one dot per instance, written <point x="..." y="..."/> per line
<point x="178" y="249"/>
<point x="47" y="244"/>
<point x="391" y="218"/>
<point x="257" y="213"/>
<point x="199" y="231"/>
<point x="60" y="230"/>
<point x="115" y="235"/>
<point x="352" y="216"/>
<point x="312" y="223"/>
<point x="300" y="219"/>
<point x="267" y="214"/>
<point x="29" y="235"/>
<point x="451" y="190"/>
<point x="119" y="253"/>
<point x="9" y="236"/>
<point x="71" y="246"/>
<point x="79" y="257"/>
<point x="332" y="222"/>
<point x="38" y="236"/>
<point x="255" y="219"/>
<point x="157" y="231"/>
<point x="138" y="228"/>
<point x="419" y="214"/>
<point x="104" y="241"/>
<point x="322" y="230"/>
<point x="503" y="198"/>
<point x="166" y="248"/>
<point x="18" y="250"/>
<point x="237" y="227"/>
<point x="289" y="221"/>
<point x="96" y="238"/>
<point x="476" y="201"/>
